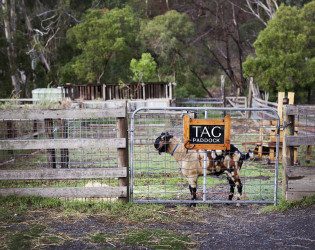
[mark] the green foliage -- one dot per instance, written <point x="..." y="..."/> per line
<point x="104" y="36"/>
<point x="144" y="69"/>
<point x="298" y="3"/>
<point x="285" y="52"/>
<point x="167" y="36"/>
<point x="187" y="86"/>
<point x="289" y="205"/>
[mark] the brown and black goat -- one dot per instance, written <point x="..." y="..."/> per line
<point x="219" y="162"/>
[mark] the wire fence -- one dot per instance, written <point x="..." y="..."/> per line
<point x="42" y="145"/>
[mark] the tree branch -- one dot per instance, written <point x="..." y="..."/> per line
<point x="201" y="82"/>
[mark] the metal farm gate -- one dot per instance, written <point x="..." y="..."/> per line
<point x="157" y="178"/>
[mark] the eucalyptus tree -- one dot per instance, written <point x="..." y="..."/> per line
<point x="223" y="37"/>
<point x="33" y="31"/>
<point x="265" y="10"/>
<point x="105" y="41"/>
<point x="285" y="52"/>
<point x="168" y="38"/>
<point x="8" y="18"/>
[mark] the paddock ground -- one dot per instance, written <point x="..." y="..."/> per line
<point x="216" y="227"/>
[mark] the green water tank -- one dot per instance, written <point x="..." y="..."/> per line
<point x="53" y="94"/>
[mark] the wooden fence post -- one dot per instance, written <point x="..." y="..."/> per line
<point x="171" y="90"/>
<point x="287" y="151"/>
<point x="64" y="152"/>
<point x="104" y="91"/>
<point x="291" y="97"/>
<point x="250" y="97"/>
<point x="281" y="95"/>
<point x="123" y="159"/>
<point x="10" y="133"/>
<point x="35" y="126"/>
<point x="143" y="90"/>
<point x="49" y="134"/>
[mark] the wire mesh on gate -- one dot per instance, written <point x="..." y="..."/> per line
<point x="158" y="177"/>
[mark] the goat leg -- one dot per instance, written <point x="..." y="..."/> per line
<point x="239" y="188"/>
<point x="232" y="186"/>
<point x="193" y="192"/>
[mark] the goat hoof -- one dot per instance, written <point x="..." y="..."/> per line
<point x="192" y="205"/>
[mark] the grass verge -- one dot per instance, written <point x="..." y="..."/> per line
<point x="288" y="205"/>
<point x="12" y="207"/>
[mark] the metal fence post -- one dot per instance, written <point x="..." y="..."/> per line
<point x="122" y="153"/>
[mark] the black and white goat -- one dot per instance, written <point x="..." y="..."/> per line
<point x="191" y="162"/>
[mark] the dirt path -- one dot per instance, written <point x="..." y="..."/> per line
<point x="247" y="228"/>
<point x="221" y="227"/>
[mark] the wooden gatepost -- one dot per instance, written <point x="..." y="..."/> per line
<point x="299" y="179"/>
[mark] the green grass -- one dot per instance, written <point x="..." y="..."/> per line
<point x="157" y="239"/>
<point x="23" y="239"/>
<point x="11" y="205"/>
<point x="145" y="238"/>
<point x="259" y="190"/>
<point x="289" y="205"/>
<point x="30" y="237"/>
<point x="256" y="169"/>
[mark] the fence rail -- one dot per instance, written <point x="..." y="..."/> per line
<point x="68" y="192"/>
<point x="14" y="144"/>
<point x="51" y="174"/>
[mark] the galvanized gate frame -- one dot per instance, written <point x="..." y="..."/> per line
<point x="204" y="109"/>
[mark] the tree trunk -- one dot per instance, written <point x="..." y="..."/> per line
<point x="240" y="51"/>
<point x="37" y="49"/>
<point x="9" y="30"/>
<point x="202" y="83"/>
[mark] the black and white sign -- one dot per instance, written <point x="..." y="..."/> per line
<point x="206" y="134"/>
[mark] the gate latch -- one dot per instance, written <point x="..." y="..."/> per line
<point x="188" y="148"/>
